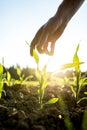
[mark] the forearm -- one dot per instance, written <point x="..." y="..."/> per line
<point x="67" y="9"/>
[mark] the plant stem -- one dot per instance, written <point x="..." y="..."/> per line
<point x="77" y="86"/>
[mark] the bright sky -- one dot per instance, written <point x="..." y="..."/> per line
<point x="19" y="22"/>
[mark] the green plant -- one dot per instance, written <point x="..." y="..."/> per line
<point x="22" y="79"/>
<point x="2" y="79"/>
<point x="77" y="82"/>
<point x="42" y="78"/>
<point x="9" y="80"/>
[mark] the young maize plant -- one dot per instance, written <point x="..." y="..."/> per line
<point x="77" y="82"/>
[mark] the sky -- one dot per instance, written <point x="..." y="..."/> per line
<point x="19" y="22"/>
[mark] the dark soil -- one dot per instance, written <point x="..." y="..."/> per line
<point x="20" y="110"/>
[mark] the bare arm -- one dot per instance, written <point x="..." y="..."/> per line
<point x="53" y="29"/>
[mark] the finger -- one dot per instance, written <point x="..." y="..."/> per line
<point x="51" y="50"/>
<point x="53" y="38"/>
<point x="48" y="36"/>
<point x="43" y="43"/>
<point x="35" y="40"/>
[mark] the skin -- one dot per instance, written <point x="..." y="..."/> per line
<point x="51" y="31"/>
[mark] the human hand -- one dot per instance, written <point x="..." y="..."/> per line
<point x="47" y="35"/>
<point x="50" y="32"/>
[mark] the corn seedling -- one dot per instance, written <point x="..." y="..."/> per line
<point x="9" y="80"/>
<point x="22" y="79"/>
<point x="2" y="79"/>
<point x="42" y="78"/>
<point x="75" y="83"/>
<point x="12" y="81"/>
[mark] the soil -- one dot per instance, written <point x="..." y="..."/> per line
<point x="20" y="109"/>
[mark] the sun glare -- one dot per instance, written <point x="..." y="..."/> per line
<point x="61" y="56"/>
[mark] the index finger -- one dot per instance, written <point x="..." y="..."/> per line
<point x="35" y="41"/>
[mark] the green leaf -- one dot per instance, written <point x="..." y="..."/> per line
<point x="70" y="65"/>
<point x="44" y="69"/>
<point x="17" y="82"/>
<point x="83" y="98"/>
<point x="83" y="81"/>
<point x="44" y="82"/>
<point x="75" y="57"/>
<point x="8" y="76"/>
<point x="36" y="57"/>
<point x="72" y="89"/>
<point x="85" y="92"/>
<point x="67" y="66"/>
<point x="77" y="48"/>
<point x="18" y="71"/>
<point x="76" y="60"/>
<point x="28" y="77"/>
<point x="1" y="89"/>
<point x="1" y="69"/>
<point x="38" y="75"/>
<point x="52" y="101"/>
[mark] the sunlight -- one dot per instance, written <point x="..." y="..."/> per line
<point x="63" y="54"/>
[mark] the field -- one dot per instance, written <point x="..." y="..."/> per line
<point x="34" y="99"/>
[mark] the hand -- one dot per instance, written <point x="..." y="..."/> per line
<point x="47" y="34"/>
<point x="50" y="32"/>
